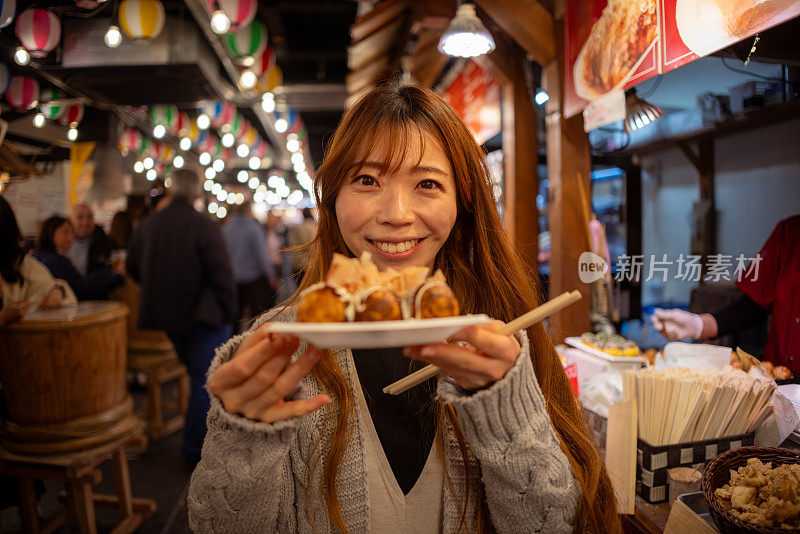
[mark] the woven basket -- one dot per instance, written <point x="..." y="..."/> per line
<point x="717" y="474"/>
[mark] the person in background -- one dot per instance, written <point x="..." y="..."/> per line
<point x="276" y="240"/>
<point x="775" y="290"/>
<point x="91" y="249"/>
<point x="24" y="282"/>
<point x="179" y="258"/>
<point x="121" y="229"/>
<point x="298" y="236"/>
<point x="253" y="271"/>
<point x="54" y="241"/>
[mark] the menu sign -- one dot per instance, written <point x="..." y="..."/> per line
<point x="475" y="96"/>
<point x="615" y="44"/>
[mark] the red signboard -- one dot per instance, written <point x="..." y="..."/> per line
<point x="475" y="96"/>
<point x="615" y="44"/>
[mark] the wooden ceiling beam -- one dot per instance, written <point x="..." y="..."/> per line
<point x="528" y="22"/>
<point x="379" y="16"/>
<point x="377" y="44"/>
<point x="366" y="75"/>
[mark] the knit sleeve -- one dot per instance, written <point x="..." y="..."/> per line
<point x="530" y="486"/>
<point x="243" y="482"/>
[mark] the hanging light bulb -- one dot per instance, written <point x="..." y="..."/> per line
<point x="148" y="162"/>
<point x="222" y="212"/>
<point x="281" y="125"/>
<point x="21" y="56"/>
<point x="242" y="176"/>
<point x="72" y="134"/>
<point x="253" y="182"/>
<point x="178" y="162"/>
<point x="255" y="163"/>
<point x="204" y="158"/>
<point x="228" y="140"/>
<point x="159" y="131"/>
<point x="222" y="195"/>
<point x="113" y="37"/>
<point x="242" y="150"/>
<point x="219" y="165"/>
<point x="203" y="122"/>
<point x="138" y="167"/>
<point x="247" y="79"/>
<point x="151" y="175"/>
<point x="292" y="145"/>
<point x="216" y="188"/>
<point x="210" y="173"/>
<point x="39" y="120"/>
<point x="231" y="198"/>
<point x="466" y="36"/>
<point x="212" y="207"/>
<point x="268" y="102"/>
<point x="220" y="22"/>
<point x="248" y="61"/>
<point x="208" y="185"/>
<point x="639" y="113"/>
<point x="541" y="97"/>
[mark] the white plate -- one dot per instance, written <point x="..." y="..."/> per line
<point x="578" y="344"/>
<point x="379" y="334"/>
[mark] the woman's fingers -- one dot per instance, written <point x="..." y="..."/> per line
<point x="260" y="381"/>
<point x="461" y="362"/>
<point x="290" y="409"/>
<point x="493" y="345"/>
<point x="249" y="357"/>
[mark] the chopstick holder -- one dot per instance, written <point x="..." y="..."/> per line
<point x="524" y="321"/>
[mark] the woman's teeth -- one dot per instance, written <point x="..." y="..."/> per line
<point x="394" y="248"/>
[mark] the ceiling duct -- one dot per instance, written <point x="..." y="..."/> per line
<point x="177" y="67"/>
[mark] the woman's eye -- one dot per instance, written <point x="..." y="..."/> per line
<point x="430" y="184"/>
<point x="364" y="179"/>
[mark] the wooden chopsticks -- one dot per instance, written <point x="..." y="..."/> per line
<point x="524" y="321"/>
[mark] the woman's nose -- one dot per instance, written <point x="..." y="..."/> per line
<point x="396" y="209"/>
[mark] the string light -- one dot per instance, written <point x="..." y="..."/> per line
<point x="151" y="175"/>
<point x="255" y="163"/>
<point x="203" y="122"/>
<point x="222" y="195"/>
<point x="204" y="159"/>
<point x="21" y="56"/>
<point x="275" y="181"/>
<point x="242" y="176"/>
<point x="212" y="207"/>
<point x="219" y="165"/>
<point x="268" y="105"/>
<point x="210" y="173"/>
<point x="247" y="79"/>
<point x="216" y="188"/>
<point x="281" y="125"/>
<point x="186" y="143"/>
<point x="159" y="131"/>
<point x="253" y="182"/>
<point x="138" y="167"/>
<point x="242" y="150"/>
<point x="208" y="185"/>
<point x="178" y="162"/>
<point x="72" y="134"/>
<point x="39" y="120"/>
<point x="148" y="162"/>
<point x="228" y="140"/>
<point x="292" y="145"/>
<point x="222" y="212"/>
<point x="220" y="22"/>
<point x="297" y="158"/>
<point x="113" y="37"/>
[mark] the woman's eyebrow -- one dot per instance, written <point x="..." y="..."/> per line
<point x="419" y="169"/>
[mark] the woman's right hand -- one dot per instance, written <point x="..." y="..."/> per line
<point x="53" y="300"/>
<point x="257" y="379"/>
<point x="14" y="311"/>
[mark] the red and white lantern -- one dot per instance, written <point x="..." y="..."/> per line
<point x="264" y="62"/>
<point x="239" y="12"/>
<point x="260" y="149"/>
<point x="182" y="125"/>
<point x="72" y="115"/>
<point x="224" y="112"/>
<point x="129" y="140"/>
<point x="39" y="31"/>
<point x="23" y="93"/>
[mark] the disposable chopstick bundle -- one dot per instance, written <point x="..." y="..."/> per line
<point x="680" y="405"/>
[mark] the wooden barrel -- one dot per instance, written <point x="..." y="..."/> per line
<point x="63" y="372"/>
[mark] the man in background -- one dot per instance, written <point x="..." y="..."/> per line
<point x="253" y="271"/>
<point x="179" y="258"/>
<point x="91" y="250"/>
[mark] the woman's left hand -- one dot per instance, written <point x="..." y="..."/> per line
<point x="486" y="360"/>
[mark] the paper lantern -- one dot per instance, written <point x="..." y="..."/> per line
<point x="166" y="116"/>
<point x="144" y="145"/>
<point x="39" y="31"/>
<point x="72" y="115"/>
<point x="130" y="139"/>
<point x="239" y="127"/>
<point x="240" y="12"/>
<point x="182" y="124"/>
<point x="8" y="9"/>
<point x="222" y="115"/>
<point x="250" y="137"/>
<point x="141" y="19"/>
<point x="269" y="81"/>
<point x="5" y="78"/>
<point x="193" y="132"/>
<point x="23" y="93"/>
<point x="50" y="107"/>
<point x="264" y="62"/>
<point x="260" y="149"/>
<point x="249" y="41"/>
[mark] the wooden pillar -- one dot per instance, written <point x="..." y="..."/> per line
<point x="568" y="167"/>
<point x="519" y="150"/>
<point x="705" y="241"/>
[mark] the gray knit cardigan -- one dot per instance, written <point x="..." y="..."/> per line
<point x="252" y="477"/>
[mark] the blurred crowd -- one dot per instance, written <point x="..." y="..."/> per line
<point x="201" y="281"/>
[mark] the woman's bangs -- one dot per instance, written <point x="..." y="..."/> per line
<point x="386" y="143"/>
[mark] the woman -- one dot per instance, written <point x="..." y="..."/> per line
<point x="511" y="452"/>
<point x="54" y="241"/>
<point x="24" y="282"/>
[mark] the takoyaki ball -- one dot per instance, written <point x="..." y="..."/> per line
<point x="378" y="305"/>
<point x="322" y="305"/>
<point x="435" y="300"/>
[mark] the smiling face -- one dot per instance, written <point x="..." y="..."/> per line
<point x="400" y="212"/>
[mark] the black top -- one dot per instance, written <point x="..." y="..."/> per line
<point x="405" y="423"/>
<point x="96" y="285"/>
<point x="179" y="258"/>
<point x="99" y="254"/>
<point x="741" y="315"/>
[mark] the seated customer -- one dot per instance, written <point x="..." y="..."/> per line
<point x="24" y="282"/>
<point x="54" y="241"/>
<point x="91" y="249"/>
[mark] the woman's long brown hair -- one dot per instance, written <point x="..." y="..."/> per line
<point x="479" y="263"/>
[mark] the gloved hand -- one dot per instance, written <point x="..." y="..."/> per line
<point x="677" y="324"/>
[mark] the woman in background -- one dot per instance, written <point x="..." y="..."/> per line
<point x="54" y="241"/>
<point x="24" y="282"/>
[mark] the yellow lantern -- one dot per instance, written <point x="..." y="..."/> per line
<point x="269" y="81"/>
<point x="141" y="19"/>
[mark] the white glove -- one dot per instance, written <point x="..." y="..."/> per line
<point x="677" y="324"/>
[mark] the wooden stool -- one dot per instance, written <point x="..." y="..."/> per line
<point x="79" y="472"/>
<point x="156" y="359"/>
<point x="151" y="353"/>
